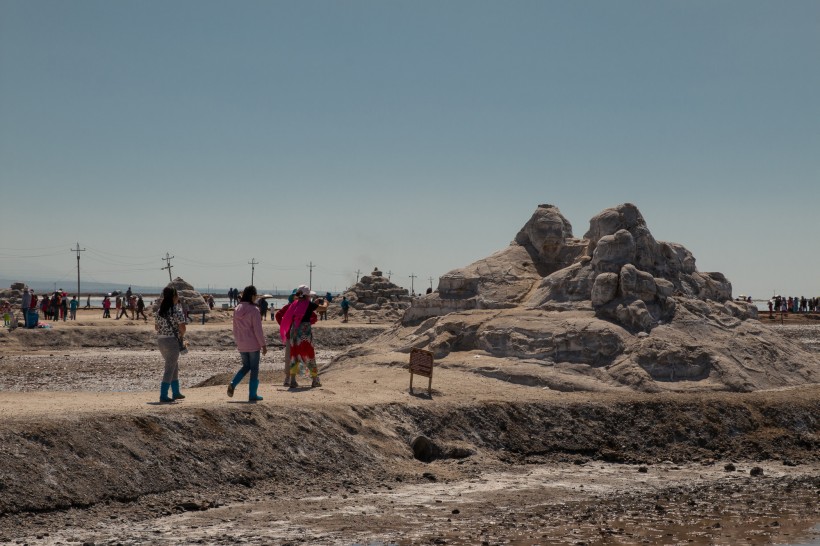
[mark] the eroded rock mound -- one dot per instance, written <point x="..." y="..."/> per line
<point x="188" y="297"/>
<point x="377" y="297"/>
<point x="628" y="276"/>
<point x="613" y="310"/>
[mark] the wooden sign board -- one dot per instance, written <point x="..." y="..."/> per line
<point x="421" y="363"/>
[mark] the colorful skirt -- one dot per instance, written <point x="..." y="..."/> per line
<point x="302" y="354"/>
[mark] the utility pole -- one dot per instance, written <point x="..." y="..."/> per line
<point x="358" y="272"/>
<point x="431" y="282"/>
<point x="252" y="263"/>
<point x="168" y="259"/>
<point x="310" y="281"/>
<point x="77" y="250"/>
<point x="413" y="277"/>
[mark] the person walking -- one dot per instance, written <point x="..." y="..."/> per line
<point x="132" y="306"/>
<point x="250" y="340"/>
<point x="280" y="314"/>
<point x="106" y="305"/>
<point x="55" y="307"/>
<point x="345" y="305"/>
<point x="64" y="307"/>
<point x="73" y="304"/>
<point x="24" y="305"/>
<point x="296" y="327"/>
<point x="170" y="326"/>
<point x="88" y="302"/>
<point x="45" y="307"/>
<point x="141" y="308"/>
<point x="263" y="308"/>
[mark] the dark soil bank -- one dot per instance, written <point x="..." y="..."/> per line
<point x="80" y="462"/>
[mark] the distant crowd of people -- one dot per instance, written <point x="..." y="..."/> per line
<point x="781" y="304"/>
<point x="124" y="304"/>
<point x="55" y="306"/>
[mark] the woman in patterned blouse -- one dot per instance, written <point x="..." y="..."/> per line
<point x="170" y="323"/>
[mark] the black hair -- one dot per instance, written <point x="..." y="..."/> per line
<point x="167" y="303"/>
<point x="248" y="293"/>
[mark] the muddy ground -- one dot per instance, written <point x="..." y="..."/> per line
<point x="89" y="457"/>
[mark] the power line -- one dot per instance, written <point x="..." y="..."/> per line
<point x="310" y="281"/>
<point x="252" y="263"/>
<point x="168" y="259"/>
<point x="78" y="250"/>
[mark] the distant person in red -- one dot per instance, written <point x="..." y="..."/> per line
<point x="45" y="307"/>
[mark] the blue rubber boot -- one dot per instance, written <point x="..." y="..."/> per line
<point x="252" y="388"/>
<point x="163" y="393"/>
<point x="175" y="390"/>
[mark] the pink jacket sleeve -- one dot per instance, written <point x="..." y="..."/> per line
<point x="257" y="330"/>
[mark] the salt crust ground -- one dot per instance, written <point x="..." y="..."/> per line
<point x="333" y="466"/>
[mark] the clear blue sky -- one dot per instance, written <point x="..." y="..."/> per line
<point x="417" y="136"/>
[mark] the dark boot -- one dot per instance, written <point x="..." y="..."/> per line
<point x="175" y="390"/>
<point x="163" y="393"/>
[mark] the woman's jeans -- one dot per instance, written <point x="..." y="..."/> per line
<point x="169" y="349"/>
<point x="250" y="363"/>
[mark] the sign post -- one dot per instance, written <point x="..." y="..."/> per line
<point x="421" y="363"/>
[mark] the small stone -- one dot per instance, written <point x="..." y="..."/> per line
<point x="643" y="469"/>
<point x="756" y="471"/>
<point x="729" y="467"/>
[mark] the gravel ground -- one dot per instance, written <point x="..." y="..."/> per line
<point x="121" y="370"/>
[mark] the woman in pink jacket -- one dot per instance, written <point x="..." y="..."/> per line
<point x="250" y="340"/>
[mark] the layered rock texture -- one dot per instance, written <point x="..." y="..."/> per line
<point x="188" y="297"/>
<point x="376" y="297"/>
<point x="615" y="309"/>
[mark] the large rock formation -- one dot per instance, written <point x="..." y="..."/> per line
<point x="615" y="309"/>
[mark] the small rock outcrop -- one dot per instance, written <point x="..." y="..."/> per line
<point x="188" y="297"/>
<point x="13" y="294"/>
<point x="377" y="297"/>
<point x="616" y="309"/>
